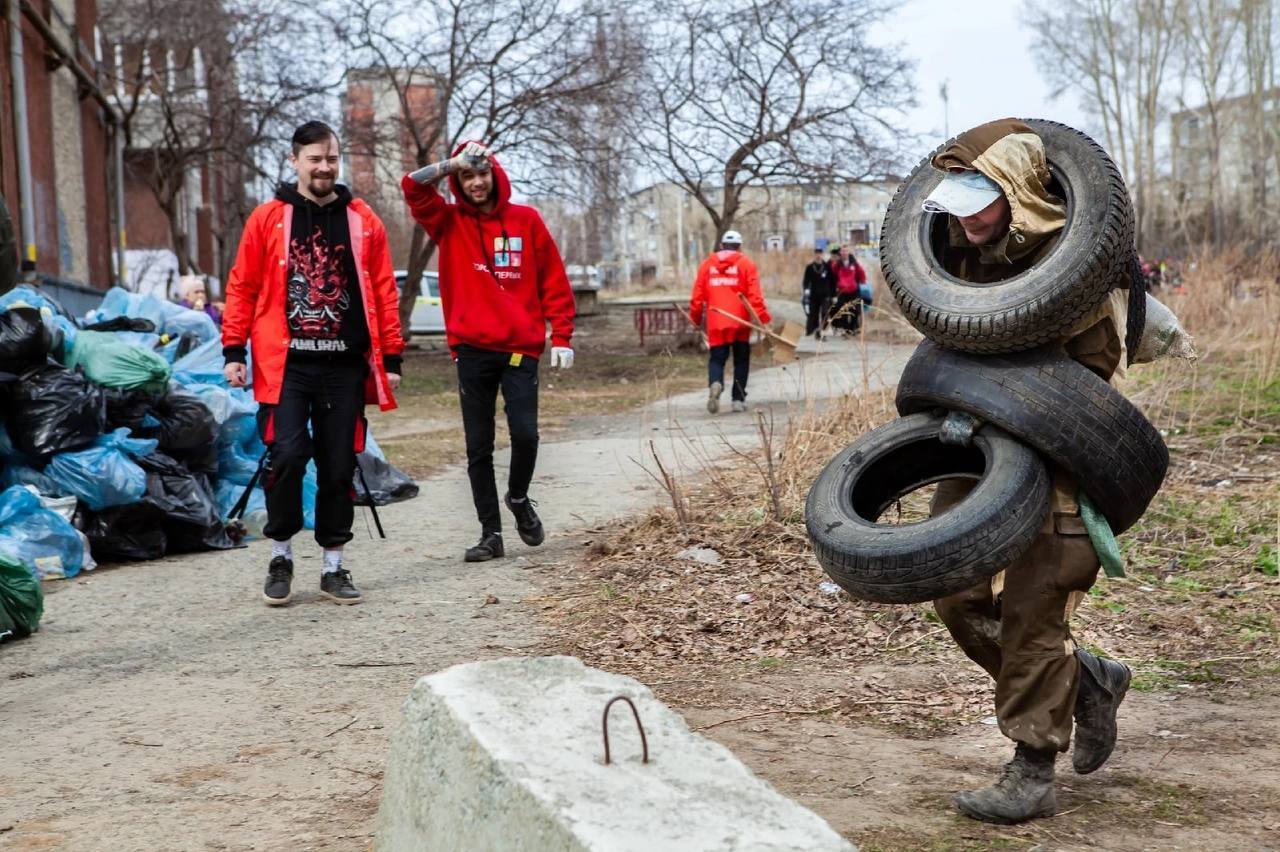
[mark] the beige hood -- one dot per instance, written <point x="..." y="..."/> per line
<point x="1011" y="154"/>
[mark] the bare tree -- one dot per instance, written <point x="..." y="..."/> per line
<point x="1208" y="38"/>
<point x="503" y="71"/>
<point x="1260" y="47"/>
<point x="1117" y="55"/>
<point x="756" y="93"/>
<point x="202" y="88"/>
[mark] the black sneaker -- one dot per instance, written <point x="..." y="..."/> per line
<point x="528" y="524"/>
<point x="279" y="578"/>
<point x="337" y="587"/>
<point x="490" y="547"/>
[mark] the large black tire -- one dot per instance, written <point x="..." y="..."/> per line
<point x="1042" y="304"/>
<point x="1058" y="407"/>
<point x="909" y="563"/>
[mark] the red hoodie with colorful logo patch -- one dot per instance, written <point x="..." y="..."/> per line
<point x="501" y="276"/>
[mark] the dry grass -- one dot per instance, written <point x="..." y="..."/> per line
<point x="1200" y="606"/>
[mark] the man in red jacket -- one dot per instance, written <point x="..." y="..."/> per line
<point x="724" y="279"/>
<point x="501" y="282"/>
<point x="313" y="291"/>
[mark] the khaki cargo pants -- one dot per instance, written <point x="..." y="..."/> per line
<point x="1015" y="625"/>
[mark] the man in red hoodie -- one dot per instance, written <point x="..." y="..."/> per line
<point x="501" y="282"/>
<point x="724" y="279"/>
<point x="313" y="291"/>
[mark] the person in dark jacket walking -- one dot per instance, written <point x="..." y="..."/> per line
<point x="313" y="291"/>
<point x="818" y="288"/>
<point x="502" y="281"/>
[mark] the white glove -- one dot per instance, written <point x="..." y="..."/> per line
<point x="561" y="357"/>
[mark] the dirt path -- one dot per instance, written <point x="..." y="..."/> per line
<point x="161" y="706"/>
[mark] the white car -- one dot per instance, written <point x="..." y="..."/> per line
<point x="428" y="313"/>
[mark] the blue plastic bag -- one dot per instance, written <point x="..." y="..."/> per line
<point x="238" y="462"/>
<point x="16" y="473"/>
<point x="25" y="294"/>
<point x="202" y="365"/>
<point x="103" y="475"/>
<point x="41" y="539"/>
<point x="168" y="317"/>
<point x="234" y="411"/>
<point x="227" y="493"/>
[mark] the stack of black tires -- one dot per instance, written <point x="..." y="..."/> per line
<point x="989" y="397"/>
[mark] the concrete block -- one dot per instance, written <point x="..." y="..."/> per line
<point x="507" y="755"/>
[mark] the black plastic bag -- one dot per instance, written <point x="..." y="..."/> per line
<point x="191" y="517"/>
<point x="123" y="323"/>
<point x="52" y="409"/>
<point x="186" y="425"/>
<point x="135" y="531"/>
<point x="24" y="339"/>
<point x="387" y="483"/>
<point x="127" y="407"/>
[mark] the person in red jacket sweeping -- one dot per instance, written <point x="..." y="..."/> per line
<point x="723" y="280"/>
<point x="313" y="292"/>
<point x="501" y="283"/>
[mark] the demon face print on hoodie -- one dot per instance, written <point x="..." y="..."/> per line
<point x="324" y="310"/>
<point x="502" y="280"/>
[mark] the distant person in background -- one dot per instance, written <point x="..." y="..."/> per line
<point x="849" y="277"/>
<point x="724" y="280"/>
<point x="818" y="289"/>
<point x="192" y="294"/>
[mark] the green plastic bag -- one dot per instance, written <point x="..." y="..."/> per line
<point x="1104" y="541"/>
<point x="21" y="600"/>
<point x="113" y="363"/>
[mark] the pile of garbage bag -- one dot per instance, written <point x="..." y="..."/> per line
<point x="120" y="439"/>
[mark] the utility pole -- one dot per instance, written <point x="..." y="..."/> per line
<point x="946" y="103"/>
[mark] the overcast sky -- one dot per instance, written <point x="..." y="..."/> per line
<point x="981" y="47"/>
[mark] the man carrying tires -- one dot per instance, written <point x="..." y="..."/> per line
<point x="1002" y="221"/>
<point x="727" y="282"/>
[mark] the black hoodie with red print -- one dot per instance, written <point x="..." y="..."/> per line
<point x="501" y="277"/>
<point x="324" y="308"/>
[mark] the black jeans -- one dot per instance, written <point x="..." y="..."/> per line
<point x="329" y="395"/>
<point x="741" y="366"/>
<point x="819" y="307"/>
<point x="481" y="373"/>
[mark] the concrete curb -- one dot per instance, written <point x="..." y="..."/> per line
<point x="507" y="754"/>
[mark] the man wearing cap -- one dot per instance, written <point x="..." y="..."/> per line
<point x="1002" y="221"/>
<point x="817" y="289"/>
<point x="724" y="280"/>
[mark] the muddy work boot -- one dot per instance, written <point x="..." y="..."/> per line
<point x="1024" y="790"/>
<point x="1103" y="684"/>
<point x="489" y="547"/>
<point x="713" y="396"/>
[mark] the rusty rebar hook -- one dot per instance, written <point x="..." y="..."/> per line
<point x="604" y="724"/>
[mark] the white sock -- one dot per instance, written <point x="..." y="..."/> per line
<point x="332" y="560"/>
<point x="282" y="548"/>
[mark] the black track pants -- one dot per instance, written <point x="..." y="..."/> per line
<point x="328" y="395"/>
